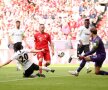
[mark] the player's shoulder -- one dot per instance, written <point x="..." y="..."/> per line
<point x="21" y="30"/>
<point x="98" y="39"/>
<point x="25" y="50"/>
<point x="81" y="27"/>
<point x="46" y="33"/>
<point x="37" y="33"/>
<point x="14" y="56"/>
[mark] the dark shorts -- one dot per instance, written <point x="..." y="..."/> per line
<point x="30" y="70"/>
<point x="98" y="59"/>
<point x="83" y="48"/>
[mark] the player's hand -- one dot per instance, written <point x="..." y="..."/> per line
<point x="29" y="47"/>
<point x="87" y="58"/>
<point x="34" y="54"/>
<point x="52" y="53"/>
<point x="10" y="46"/>
<point x="43" y="50"/>
<point x="80" y="44"/>
<point x="80" y="57"/>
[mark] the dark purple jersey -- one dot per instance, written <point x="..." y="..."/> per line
<point x="98" y="47"/>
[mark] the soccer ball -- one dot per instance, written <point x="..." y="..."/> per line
<point x="61" y="54"/>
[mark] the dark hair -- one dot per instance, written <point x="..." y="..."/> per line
<point x="18" y="46"/>
<point x="87" y="19"/>
<point x="93" y="30"/>
<point x="17" y="21"/>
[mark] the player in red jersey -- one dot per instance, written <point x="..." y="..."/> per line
<point x="43" y="41"/>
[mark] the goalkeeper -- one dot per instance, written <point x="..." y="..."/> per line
<point x="98" y="58"/>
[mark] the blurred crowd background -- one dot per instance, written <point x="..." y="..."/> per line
<point x="62" y="18"/>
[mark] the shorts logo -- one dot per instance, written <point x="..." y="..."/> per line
<point x="95" y="56"/>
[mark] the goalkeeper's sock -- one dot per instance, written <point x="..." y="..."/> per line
<point x="102" y="73"/>
<point x="82" y="64"/>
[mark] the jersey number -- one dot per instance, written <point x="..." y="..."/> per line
<point x="23" y="58"/>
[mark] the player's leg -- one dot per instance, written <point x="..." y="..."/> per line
<point x="46" y="66"/>
<point x="36" y="67"/>
<point x="88" y="67"/>
<point x="18" y="66"/>
<point x="76" y="72"/>
<point x="98" y="59"/>
<point x="28" y="73"/>
<point x="47" y="63"/>
<point x="100" y="72"/>
<point x="98" y="65"/>
<point x="40" y="56"/>
<point x="82" y="64"/>
<point x="86" y="49"/>
<point x="47" y="58"/>
<point x="79" y="51"/>
<point x="40" y="65"/>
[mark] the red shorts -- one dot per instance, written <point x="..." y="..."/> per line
<point x="45" y="55"/>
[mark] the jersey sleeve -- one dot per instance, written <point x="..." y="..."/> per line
<point x="35" y="38"/>
<point x="27" y="50"/>
<point x="23" y="33"/>
<point x="13" y="57"/>
<point x="78" y="37"/>
<point x="11" y="32"/>
<point x="49" y="38"/>
<point x="94" y="48"/>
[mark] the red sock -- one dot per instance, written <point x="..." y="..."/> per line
<point x="40" y="64"/>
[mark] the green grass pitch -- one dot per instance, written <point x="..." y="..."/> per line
<point x="10" y="79"/>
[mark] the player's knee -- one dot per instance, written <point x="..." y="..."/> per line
<point x="40" y="60"/>
<point x="97" y="72"/>
<point x="47" y="64"/>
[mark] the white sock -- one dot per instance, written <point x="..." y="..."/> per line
<point x="87" y="65"/>
<point x="46" y="68"/>
<point x="18" y="65"/>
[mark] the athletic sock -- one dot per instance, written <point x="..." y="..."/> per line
<point x="82" y="64"/>
<point x="40" y="65"/>
<point x="103" y="73"/>
<point x="46" y="68"/>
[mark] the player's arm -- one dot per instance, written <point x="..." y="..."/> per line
<point x="10" y="34"/>
<point x="35" y="51"/>
<point x="24" y="39"/>
<point x="6" y="63"/>
<point x="10" y="60"/>
<point x="94" y="48"/>
<point x="79" y="36"/>
<point x="51" y="45"/>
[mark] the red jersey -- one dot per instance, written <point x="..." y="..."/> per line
<point x="41" y="40"/>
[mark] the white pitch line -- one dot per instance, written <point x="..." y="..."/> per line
<point x="15" y="80"/>
<point x="31" y="78"/>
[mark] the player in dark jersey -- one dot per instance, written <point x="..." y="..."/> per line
<point x="99" y="57"/>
